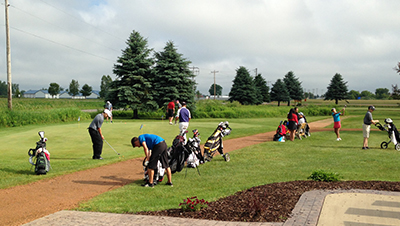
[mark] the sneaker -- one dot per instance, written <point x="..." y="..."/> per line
<point x="339" y="139"/>
<point x="147" y="184"/>
<point x="169" y="184"/>
<point x="170" y="123"/>
<point x="364" y="148"/>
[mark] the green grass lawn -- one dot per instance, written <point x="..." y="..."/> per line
<point x="257" y="165"/>
<point x="70" y="148"/>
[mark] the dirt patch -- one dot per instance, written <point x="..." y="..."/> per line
<point x="66" y="192"/>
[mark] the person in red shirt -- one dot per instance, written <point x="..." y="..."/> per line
<point x="171" y="111"/>
<point x="293" y="121"/>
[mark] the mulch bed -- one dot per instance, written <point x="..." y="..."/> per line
<point x="269" y="203"/>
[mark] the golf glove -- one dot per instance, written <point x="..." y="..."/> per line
<point x="146" y="163"/>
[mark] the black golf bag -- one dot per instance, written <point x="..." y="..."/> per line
<point x="214" y="142"/>
<point x="39" y="156"/>
<point x="193" y="146"/>
<point x="177" y="153"/>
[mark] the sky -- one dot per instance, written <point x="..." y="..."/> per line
<point x="58" y="40"/>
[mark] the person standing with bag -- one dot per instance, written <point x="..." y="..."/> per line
<point x="368" y="120"/>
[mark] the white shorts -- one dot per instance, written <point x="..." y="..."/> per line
<point x="366" y="130"/>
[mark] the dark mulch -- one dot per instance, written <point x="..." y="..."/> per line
<point x="269" y="203"/>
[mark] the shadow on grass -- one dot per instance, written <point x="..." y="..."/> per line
<point x="22" y="172"/>
<point x="109" y="180"/>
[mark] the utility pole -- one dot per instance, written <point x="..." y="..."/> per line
<point x="9" y="90"/>
<point x="215" y="89"/>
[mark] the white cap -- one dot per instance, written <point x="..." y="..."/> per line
<point x="108" y="112"/>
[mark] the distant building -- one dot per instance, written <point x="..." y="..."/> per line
<point x="37" y="94"/>
<point x="62" y="95"/>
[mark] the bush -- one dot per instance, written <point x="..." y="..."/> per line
<point x="24" y="117"/>
<point x="320" y="175"/>
<point x="193" y="204"/>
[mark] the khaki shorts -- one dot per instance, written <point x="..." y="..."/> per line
<point x="366" y="130"/>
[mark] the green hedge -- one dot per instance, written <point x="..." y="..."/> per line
<point x="20" y="117"/>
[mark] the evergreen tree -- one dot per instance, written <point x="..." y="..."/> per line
<point x="54" y="89"/>
<point x="105" y="85"/>
<point x="173" y="78"/>
<point x="261" y="86"/>
<point x="243" y="89"/>
<point x="132" y="88"/>
<point x="279" y="92"/>
<point x="293" y="86"/>
<point x="86" y="90"/>
<point x="73" y="88"/>
<point x="337" y="89"/>
<point x="218" y="90"/>
<point x="395" y="92"/>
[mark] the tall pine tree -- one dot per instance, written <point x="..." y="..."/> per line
<point x="279" y="92"/>
<point x="133" y="69"/>
<point x="243" y="89"/>
<point x="261" y="86"/>
<point x="337" y="89"/>
<point x="173" y="78"/>
<point x="293" y="86"/>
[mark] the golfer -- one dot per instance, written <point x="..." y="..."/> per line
<point x="184" y="117"/>
<point x="96" y="135"/>
<point x="158" y="148"/>
<point x="368" y="120"/>
<point x="336" y="121"/>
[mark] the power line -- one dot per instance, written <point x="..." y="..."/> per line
<point x="62" y="44"/>
<point x="92" y="41"/>
<point x="215" y="89"/>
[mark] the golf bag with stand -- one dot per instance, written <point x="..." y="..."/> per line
<point x="40" y="156"/>
<point x="178" y="153"/>
<point x="193" y="146"/>
<point x="214" y="142"/>
<point x="393" y="134"/>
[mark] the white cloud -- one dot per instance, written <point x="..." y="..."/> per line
<point x="57" y="41"/>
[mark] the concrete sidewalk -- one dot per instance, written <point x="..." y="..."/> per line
<point x="322" y="208"/>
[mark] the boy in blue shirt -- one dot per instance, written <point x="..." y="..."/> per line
<point x="158" y="152"/>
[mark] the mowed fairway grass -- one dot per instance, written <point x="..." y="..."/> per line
<point x="266" y="163"/>
<point x="70" y="148"/>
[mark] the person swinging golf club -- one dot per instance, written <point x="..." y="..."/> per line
<point x="96" y="135"/>
<point x="158" y="148"/>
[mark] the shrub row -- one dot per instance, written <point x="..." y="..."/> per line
<point x="20" y="117"/>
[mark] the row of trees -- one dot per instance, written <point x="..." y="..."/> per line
<point x="148" y="80"/>
<point x="73" y="90"/>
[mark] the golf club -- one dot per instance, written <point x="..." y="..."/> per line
<point x="111" y="147"/>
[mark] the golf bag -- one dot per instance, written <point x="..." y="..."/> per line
<point x="280" y="132"/>
<point x="158" y="173"/>
<point x="214" y="142"/>
<point x="393" y="134"/>
<point x="193" y="146"/>
<point x="177" y="153"/>
<point x="40" y="156"/>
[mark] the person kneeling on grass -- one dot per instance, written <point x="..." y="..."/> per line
<point x="158" y="149"/>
